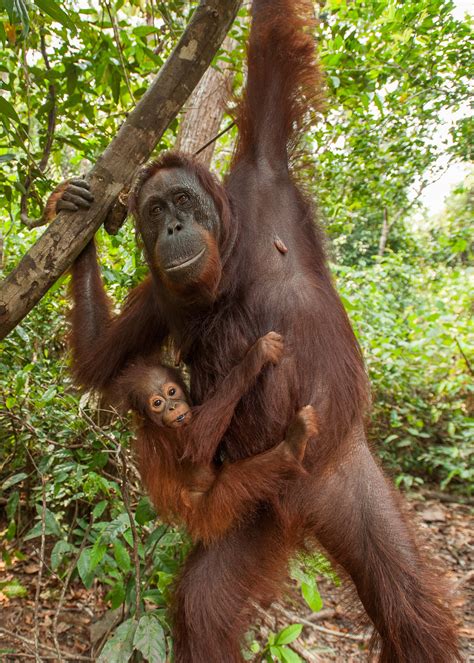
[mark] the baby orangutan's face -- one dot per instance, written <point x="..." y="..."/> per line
<point x="168" y="406"/>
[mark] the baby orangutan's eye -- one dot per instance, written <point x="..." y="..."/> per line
<point x="157" y="403"/>
<point x="172" y="391"/>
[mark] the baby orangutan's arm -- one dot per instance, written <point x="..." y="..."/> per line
<point x="215" y="502"/>
<point x="211" y="419"/>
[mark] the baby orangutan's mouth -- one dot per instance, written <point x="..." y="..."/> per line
<point x="181" y="418"/>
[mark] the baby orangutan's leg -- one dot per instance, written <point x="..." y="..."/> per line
<point x="239" y="486"/>
<point x="303" y="427"/>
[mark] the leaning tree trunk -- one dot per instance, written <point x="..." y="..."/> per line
<point x="205" y="109"/>
<point x="68" y="234"/>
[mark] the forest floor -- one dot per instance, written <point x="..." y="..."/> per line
<point x="333" y="634"/>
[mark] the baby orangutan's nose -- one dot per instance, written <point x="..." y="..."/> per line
<point x="172" y="406"/>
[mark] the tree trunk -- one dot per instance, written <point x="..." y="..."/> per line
<point x="68" y="234"/>
<point x="205" y="109"/>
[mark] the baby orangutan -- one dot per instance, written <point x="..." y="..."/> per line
<point x="206" y="498"/>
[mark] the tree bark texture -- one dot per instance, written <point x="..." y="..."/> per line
<point x="205" y="109"/>
<point x="68" y="234"/>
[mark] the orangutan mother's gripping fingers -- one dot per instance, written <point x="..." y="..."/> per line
<point x="75" y="194"/>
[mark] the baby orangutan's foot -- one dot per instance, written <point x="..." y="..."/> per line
<point x="301" y="429"/>
<point x="191" y="498"/>
<point x="270" y="347"/>
<point x="199" y="482"/>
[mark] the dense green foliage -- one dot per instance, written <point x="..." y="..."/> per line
<point x="397" y="73"/>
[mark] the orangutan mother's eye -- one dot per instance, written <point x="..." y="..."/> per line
<point x="156" y="209"/>
<point x="181" y="199"/>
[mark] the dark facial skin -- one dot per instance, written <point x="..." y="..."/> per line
<point x="175" y="216"/>
<point x="167" y="405"/>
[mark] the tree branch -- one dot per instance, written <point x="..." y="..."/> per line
<point x="68" y="234"/>
<point x="31" y="176"/>
<point x="118" y="43"/>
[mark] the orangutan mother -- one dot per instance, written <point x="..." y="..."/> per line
<point x="227" y="265"/>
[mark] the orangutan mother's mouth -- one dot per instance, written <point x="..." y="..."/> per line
<point x="186" y="263"/>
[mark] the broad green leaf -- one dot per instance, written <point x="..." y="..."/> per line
<point x="12" y="504"/>
<point x="120" y="646"/>
<point x="7" y="109"/>
<point x="57" y="13"/>
<point x="99" y="509"/>
<point x="49" y="394"/>
<point x="311" y="595"/>
<point x="11" y="481"/>
<point x="122" y="557"/>
<point x="85" y="571"/>
<point x="60" y="549"/>
<point x="51" y="525"/>
<point x="150" y="639"/>
<point x="116" y="595"/>
<point x="290" y="656"/>
<point x="144" y="511"/>
<point x="288" y="634"/>
<point x="275" y="652"/>
<point x="97" y="553"/>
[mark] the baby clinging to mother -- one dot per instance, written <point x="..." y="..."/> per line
<point x="208" y="498"/>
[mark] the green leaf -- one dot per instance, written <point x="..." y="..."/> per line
<point x="49" y="394"/>
<point x="99" y="509"/>
<point x="290" y="656"/>
<point x="11" y="481"/>
<point x="311" y="595"/>
<point x="116" y="527"/>
<point x="51" y="525"/>
<point x="61" y="548"/>
<point x="14" y="589"/>
<point x="143" y="30"/>
<point x="7" y="109"/>
<point x="122" y="557"/>
<point x="144" y="511"/>
<point x="71" y="78"/>
<point x="97" y="553"/>
<point x="17" y="11"/>
<point x="56" y="13"/>
<point x="85" y="571"/>
<point x="116" y="595"/>
<point x="275" y="652"/>
<point x="288" y="634"/>
<point x="150" y="639"/>
<point x="155" y="596"/>
<point x="115" y="80"/>
<point x="120" y="646"/>
<point x="12" y="504"/>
